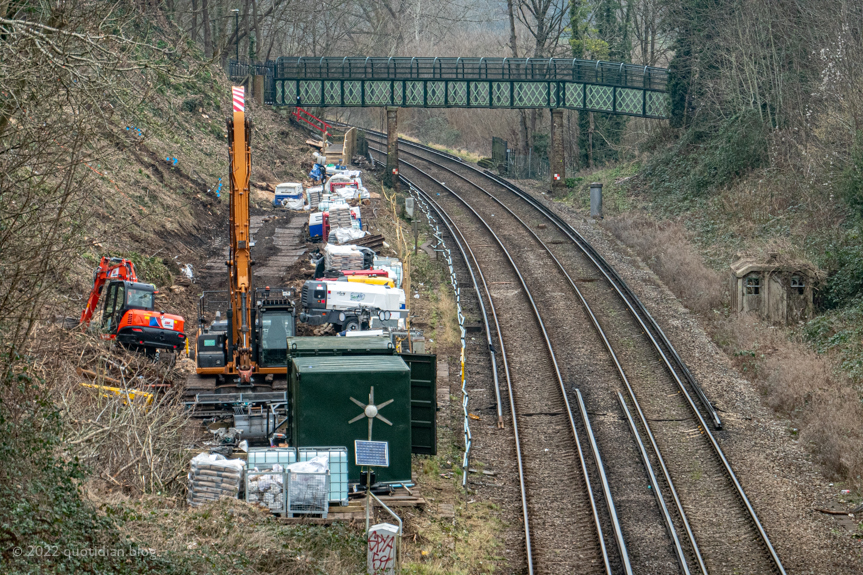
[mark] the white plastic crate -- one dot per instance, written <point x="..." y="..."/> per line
<point x="265" y="457"/>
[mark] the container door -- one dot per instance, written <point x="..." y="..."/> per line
<point x="423" y="402"/>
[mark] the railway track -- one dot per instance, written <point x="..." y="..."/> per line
<point x="650" y="416"/>
<point x="552" y="455"/>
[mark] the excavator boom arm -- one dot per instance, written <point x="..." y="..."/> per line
<point x="240" y="262"/>
<point x="109" y="268"/>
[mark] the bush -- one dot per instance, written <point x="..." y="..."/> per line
<point x="151" y="269"/>
<point x="845" y="285"/>
<point x="665" y="247"/>
<point x="45" y="525"/>
<point x="707" y="158"/>
<point x="193" y="104"/>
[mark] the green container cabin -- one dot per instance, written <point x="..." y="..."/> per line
<point x="321" y="388"/>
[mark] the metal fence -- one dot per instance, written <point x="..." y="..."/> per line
<point x="499" y="150"/>
<point x="241" y="71"/>
<point x="502" y="69"/>
<point x="529" y="167"/>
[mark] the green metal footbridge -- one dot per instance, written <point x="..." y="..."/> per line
<point x="504" y="83"/>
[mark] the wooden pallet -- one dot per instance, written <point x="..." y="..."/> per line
<point x="374" y="242"/>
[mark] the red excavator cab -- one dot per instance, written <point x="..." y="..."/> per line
<point x="129" y="317"/>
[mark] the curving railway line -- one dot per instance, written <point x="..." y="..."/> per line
<point x="620" y="470"/>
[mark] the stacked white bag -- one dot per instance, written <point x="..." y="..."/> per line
<point x="212" y="477"/>
<point x="343" y="257"/>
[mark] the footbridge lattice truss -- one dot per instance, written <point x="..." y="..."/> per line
<point x="590" y="85"/>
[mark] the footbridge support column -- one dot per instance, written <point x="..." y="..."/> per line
<point x="391" y="177"/>
<point x="558" y="162"/>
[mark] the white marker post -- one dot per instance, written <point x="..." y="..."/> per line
<point x="382" y="549"/>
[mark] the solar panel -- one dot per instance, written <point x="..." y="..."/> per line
<point x="371" y="453"/>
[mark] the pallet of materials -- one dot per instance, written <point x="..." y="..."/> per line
<point x="212" y="476"/>
<point x="344" y="257"/>
<point x="340" y="216"/>
<point x="314" y="196"/>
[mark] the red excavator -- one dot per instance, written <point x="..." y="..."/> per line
<point x="129" y="316"/>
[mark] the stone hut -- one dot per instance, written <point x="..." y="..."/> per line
<point x="780" y="291"/>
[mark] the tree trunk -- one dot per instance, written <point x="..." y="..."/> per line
<point x="193" y="27"/>
<point x="245" y="25"/>
<point x="512" y="40"/>
<point x="205" y="16"/>
<point x="257" y="29"/>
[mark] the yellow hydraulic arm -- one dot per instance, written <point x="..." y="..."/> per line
<point x="240" y="262"/>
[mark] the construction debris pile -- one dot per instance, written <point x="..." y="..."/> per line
<point x="267" y="489"/>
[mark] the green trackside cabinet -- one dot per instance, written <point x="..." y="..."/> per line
<point x="321" y="389"/>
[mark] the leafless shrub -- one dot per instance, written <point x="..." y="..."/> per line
<point x="135" y="443"/>
<point x="666" y="248"/>
<point x="127" y="442"/>
<point x="801" y="385"/>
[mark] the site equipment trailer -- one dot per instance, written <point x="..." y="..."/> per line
<point x="322" y="410"/>
<point x="423" y="377"/>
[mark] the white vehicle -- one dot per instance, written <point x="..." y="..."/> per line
<point x="337" y="302"/>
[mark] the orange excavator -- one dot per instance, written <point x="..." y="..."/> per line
<point x="129" y="316"/>
<point x="250" y="347"/>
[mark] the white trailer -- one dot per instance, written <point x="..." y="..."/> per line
<point x="337" y="302"/>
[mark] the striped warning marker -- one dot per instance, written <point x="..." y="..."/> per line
<point x="239" y="98"/>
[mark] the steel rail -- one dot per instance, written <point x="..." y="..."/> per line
<point x="645" y="320"/>
<point x="657" y="336"/>
<point x="465" y="249"/>
<point x="660" y="500"/>
<point x="607" y="270"/>
<point x="603" y="480"/>
<point x="488" y="337"/>
<point x="625" y="380"/>
<point x="550" y="349"/>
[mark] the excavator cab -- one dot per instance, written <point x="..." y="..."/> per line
<point x="129" y="316"/>
<point x="276" y="321"/>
